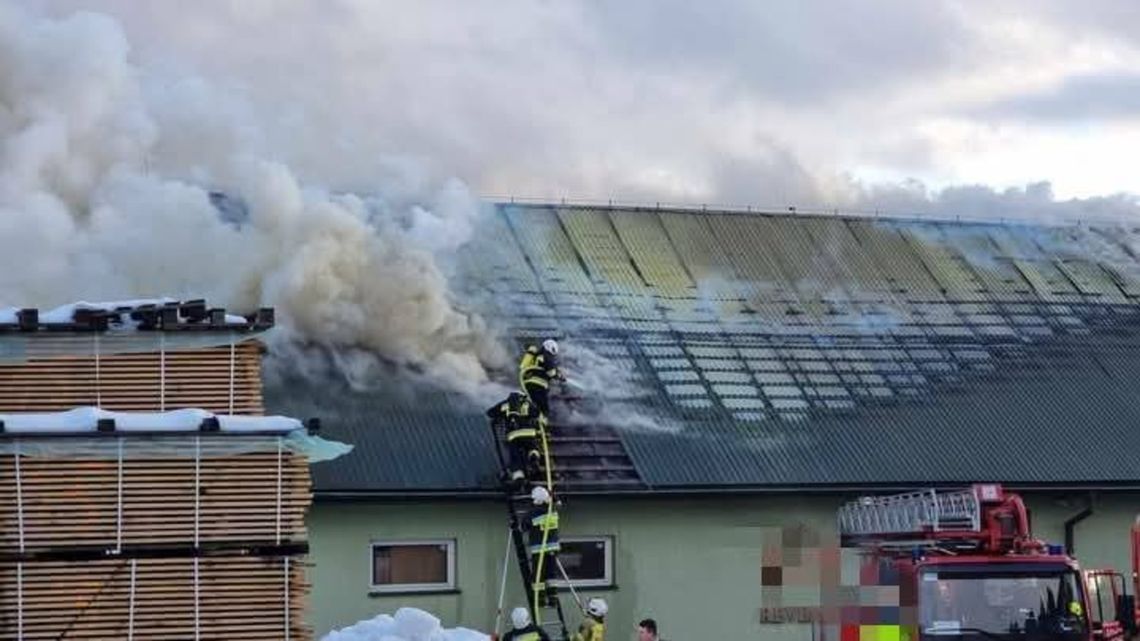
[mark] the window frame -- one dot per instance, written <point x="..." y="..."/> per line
<point x="607" y="581"/>
<point x="450" y="585"/>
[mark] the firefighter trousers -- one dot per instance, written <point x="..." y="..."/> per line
<point x="540" y="396"/>
<point x="523" y="456"/>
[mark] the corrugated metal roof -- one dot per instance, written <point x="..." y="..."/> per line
<point x="803" y="350"/>
<point x="403" y="442"/>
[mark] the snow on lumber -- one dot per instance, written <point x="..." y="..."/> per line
<point x="66" y="313"/>
<point x="86" y="419"/>
<point x="409" y="624"/>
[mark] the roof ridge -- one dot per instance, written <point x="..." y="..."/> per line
<point x="798" y="212"/>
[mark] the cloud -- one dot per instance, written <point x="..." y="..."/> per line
<point x="787" y="53"/>
<point x="1033" y="203"/>
<point x="1075" y="101"/>
<point x="725" y="103"/>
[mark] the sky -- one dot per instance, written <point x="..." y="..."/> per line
<point x="733" y="102"/>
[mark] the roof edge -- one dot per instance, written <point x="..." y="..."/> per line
<point x="796" y="212"/>
<point x="342" y="496"/>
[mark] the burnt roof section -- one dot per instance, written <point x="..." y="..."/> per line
<point x="164" y="316"/>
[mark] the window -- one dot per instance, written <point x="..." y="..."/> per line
<point x="413" y="566"/>
<point x="588" y="560"/>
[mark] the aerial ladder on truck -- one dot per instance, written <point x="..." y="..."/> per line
<point x="966" y="565"/>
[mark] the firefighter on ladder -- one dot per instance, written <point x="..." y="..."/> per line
<point x="542" y="539"/>
<point x="537" y="367"/>
<point x="516" y="416"/>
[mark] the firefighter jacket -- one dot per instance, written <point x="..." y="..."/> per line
<point x="517" y="414"/>
<point x="530" y="633"/>
<point x="537" y="367"/>
<point x="590" y="630"/>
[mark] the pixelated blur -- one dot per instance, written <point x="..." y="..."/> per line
<point x="807" y="577"/>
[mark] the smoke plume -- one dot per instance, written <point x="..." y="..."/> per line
<point x="106" y="176"/>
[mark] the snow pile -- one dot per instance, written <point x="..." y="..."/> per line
<point x="409" y="624"/>
<point x="66" y="313"/>
<point x="85" y="419"/>
<point x="122" y="309"/>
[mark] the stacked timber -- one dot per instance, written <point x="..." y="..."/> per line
<point x="221" y="379"/>
<point x="133" y="517"/>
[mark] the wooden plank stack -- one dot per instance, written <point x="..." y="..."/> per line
<point x="144" y="381"/>
<point x="168" y="535"/>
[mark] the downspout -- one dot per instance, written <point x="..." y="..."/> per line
<point x="1071" y="524"/>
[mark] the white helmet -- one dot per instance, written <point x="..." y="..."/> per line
<point x="520" y="618"/>
<point x="539" y="495"/>
<point x="550" y="345"/>
<point x="597" y="607"/>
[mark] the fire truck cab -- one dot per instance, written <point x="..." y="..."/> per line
<point x="967" y="569"/>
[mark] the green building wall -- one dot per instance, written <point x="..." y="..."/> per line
<point x="693" y="564"/>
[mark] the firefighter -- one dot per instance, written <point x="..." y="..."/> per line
<point x="516" y="416"/>
<point x="524" y="628"/>
<point x="537" y="367"/>
<point x="542" y="539"/>
<point x="594" y="627"/>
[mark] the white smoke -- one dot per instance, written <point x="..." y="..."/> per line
<point x="105" y="172"/>
<point x="610" y="393"/>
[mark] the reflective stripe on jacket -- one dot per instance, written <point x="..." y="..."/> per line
<point x="590" y="630"/>
<point x="537" y="368"/>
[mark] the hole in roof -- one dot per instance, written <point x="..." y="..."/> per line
<point x="831" y="390"/>
<point x="792" y="416"/>
<point x="802" y="354"/>
<point x="789" y="403"/>
<point x="728" y="377"/>
<point x="671" y="363"/>
<point x="662" y="350"/>
<point x="926" y="354"/>
<point x="718" y="364"/>
<point x="685" y="390"/>
<point x="971" y="354"/>
<point x="766" y="365"/>
<point x="712" y="352"/>
<point x="735" y="390"/>
<point x="781" y="390"/>
<point x="677" y="376"/>
<point x="740" y="403"/>
<point x="751" y="417"/>
<point x="997" y="330"/>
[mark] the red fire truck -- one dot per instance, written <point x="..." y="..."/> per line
<point x="968" y="569"/>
